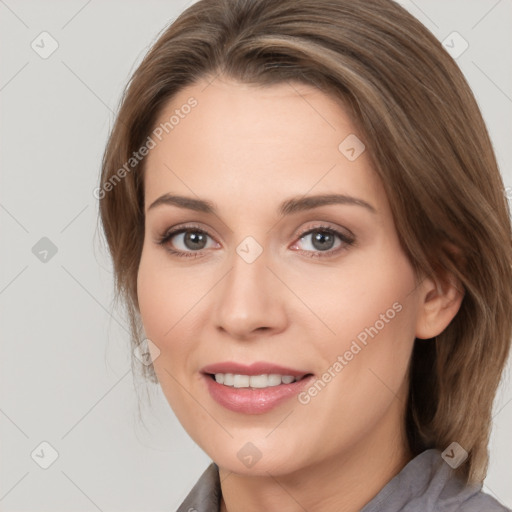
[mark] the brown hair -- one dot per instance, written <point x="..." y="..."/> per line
<point x="428" y="143"/>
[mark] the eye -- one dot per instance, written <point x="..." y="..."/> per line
<point x="323" y="239"/>
<point x="319" y="241"/>
<point x="186" y="241"/>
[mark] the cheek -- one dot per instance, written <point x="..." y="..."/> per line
<point x="170" y="303"/>
<point x="168" y="306"/>
<point x="162" y="296"/>
<point x="370" y="309"/>
<point x="152" y="302"/>
<point x="367" y="297"/>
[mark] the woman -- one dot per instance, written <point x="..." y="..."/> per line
<point x="308" y="226"/>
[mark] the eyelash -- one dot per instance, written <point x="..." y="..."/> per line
<point x="345" y="239"/>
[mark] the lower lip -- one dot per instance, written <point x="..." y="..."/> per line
<point x="254" y="401"/>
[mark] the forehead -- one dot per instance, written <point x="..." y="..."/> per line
<point x="257" y="142"/>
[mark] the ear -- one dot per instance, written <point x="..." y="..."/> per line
<point x="440" y="299"/>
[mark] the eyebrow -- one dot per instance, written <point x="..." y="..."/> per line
<point x="288" y="207"/>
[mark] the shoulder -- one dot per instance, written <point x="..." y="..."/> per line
<point x="454" y="495"/>
<point x="447" y="493"/>
<point x="479" y="502"/>
<point x="205" y="495"/>
<point x="428" y="484"/>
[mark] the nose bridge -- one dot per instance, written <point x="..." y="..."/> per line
<point x="248" y="298"/>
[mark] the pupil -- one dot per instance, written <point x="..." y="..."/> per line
<point x="194" y="240"/>
<point x="323" y="240"/>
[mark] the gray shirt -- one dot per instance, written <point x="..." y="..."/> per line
<point x="426" y="484"/>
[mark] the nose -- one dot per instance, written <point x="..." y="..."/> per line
<point x="250" y="300"/>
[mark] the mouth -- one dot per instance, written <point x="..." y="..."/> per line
<point x="253" y="389"/>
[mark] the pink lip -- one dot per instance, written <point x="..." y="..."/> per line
<point x="251" y="400"/>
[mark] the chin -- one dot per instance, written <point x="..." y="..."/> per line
<point x="250" y="460"/>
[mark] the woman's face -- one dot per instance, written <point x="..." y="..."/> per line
<point x="269" y="275"/>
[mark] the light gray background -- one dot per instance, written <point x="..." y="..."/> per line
<point x="65" y="371"/>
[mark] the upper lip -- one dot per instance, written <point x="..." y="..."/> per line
<point x="258" y="368"/>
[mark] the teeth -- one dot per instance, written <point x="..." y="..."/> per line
<point x="260" y="381"/>
<point x="253" y="381"/>
<point x="274" y="380"/>
<point x="241" y="381"/>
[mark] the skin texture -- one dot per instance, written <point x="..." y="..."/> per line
<point x="247" y="149"/>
